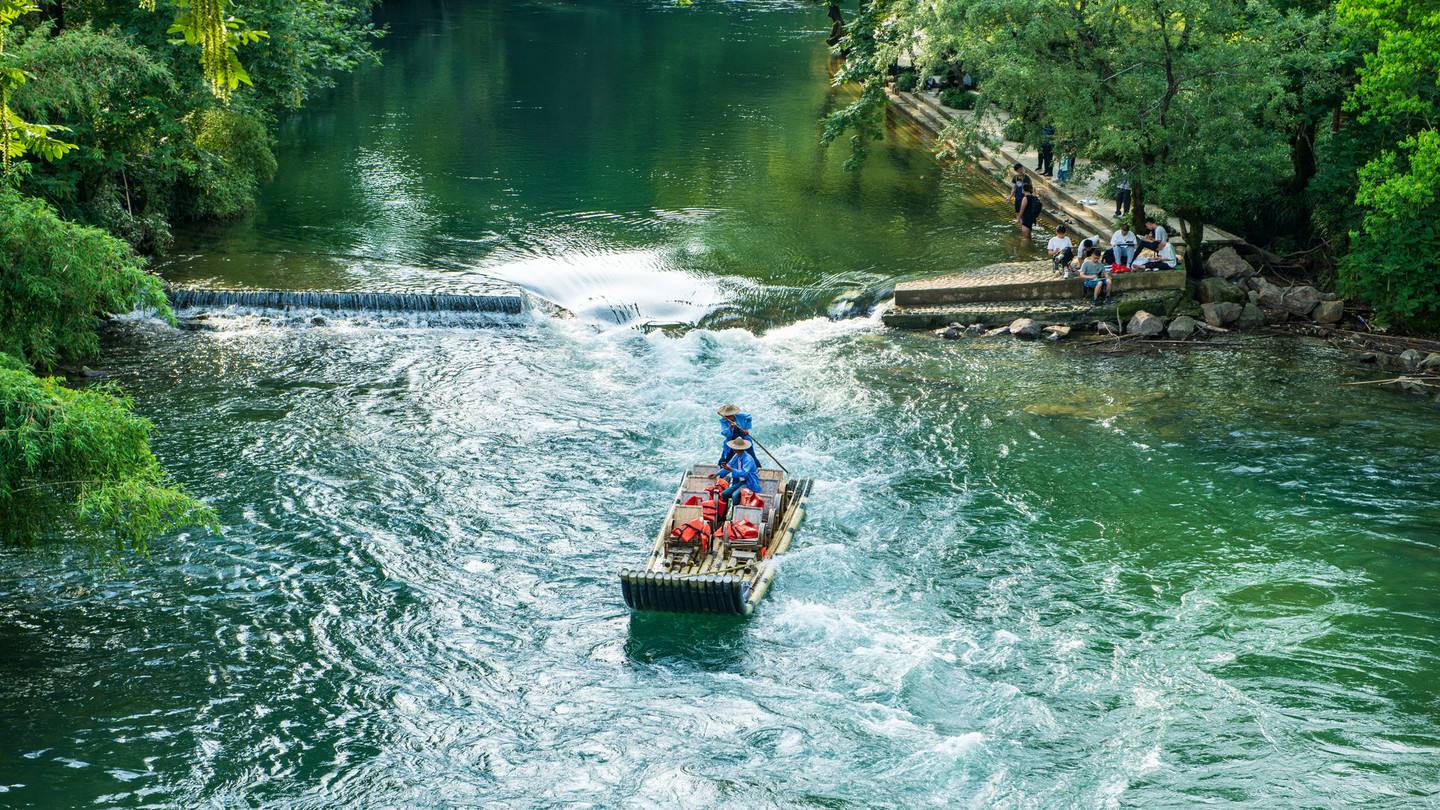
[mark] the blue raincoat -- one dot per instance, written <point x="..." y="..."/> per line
<point x="729" y="432"/>
<point x="742" y="472"/>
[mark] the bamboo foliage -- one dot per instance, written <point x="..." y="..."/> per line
<point x="19" y="137"/>
<point x="208" y="25"/>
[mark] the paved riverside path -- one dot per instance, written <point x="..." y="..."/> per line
<point x="1080" y="203"/>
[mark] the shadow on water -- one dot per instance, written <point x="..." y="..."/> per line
<point x="709" y="643"/>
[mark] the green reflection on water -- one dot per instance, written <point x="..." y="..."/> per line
<point x="548" y="143"/>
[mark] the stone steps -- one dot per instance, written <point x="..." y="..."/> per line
<point x="1002" y="313"/>
<point x="1008" y="283"/>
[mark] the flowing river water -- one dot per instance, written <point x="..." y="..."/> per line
<point x="1032" y="576"/>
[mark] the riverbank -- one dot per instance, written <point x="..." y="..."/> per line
<point x="1225" y="293"/>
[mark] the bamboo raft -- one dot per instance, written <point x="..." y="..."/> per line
<point x="731" y="577"/>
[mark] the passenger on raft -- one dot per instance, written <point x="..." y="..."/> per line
<point x="741" y="470"/>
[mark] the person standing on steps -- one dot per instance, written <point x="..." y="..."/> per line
<point x="1122" y="197"/>
<point x="1017" y="186"/>
<point x="1030" y="208"/>
<point x="1043" y="165"/>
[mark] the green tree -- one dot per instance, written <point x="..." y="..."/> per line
<point x="68" y="458"/>
<point x="1393" y="247"/>
<point x="79" y="461"/>
<point x="1188" y="96"/>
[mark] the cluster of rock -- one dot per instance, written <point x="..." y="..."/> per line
<point x="1231" y="296"/>
<point x="1418" y="373"/>
<point x="1234" y="294"/>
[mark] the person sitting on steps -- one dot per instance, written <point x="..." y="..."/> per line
<point x="1095" y="275"/>
<point x="1158" y="235"/>
<point x="1061" y="249"/>
<point x="1123" y="242"/>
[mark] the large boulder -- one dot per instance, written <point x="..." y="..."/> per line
<point x="1300" y="300"/>
<point x="1145" y="325"/>
<point x="1183" y="327"/>
<point x="1251" y="317"/>
<point x="1024" y="328"/>
<point x="1271" y="296"/>
<point x="1226" y="263"/>
<point x="1212" y="290"/>
<point x="1328" y="311"/>
<point x="1222" y="313"/>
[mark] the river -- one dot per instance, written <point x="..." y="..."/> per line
<point x="1031" y="576"/>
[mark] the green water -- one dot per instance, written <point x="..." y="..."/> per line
<point x="1031" y="576"/>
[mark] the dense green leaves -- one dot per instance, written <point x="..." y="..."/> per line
<point x="58" y="278"/>
<point x="1394" y="255"/>
<point x="80" y="461"/>
<point x="76" y="459"/>
<point x="1226" y="112"/>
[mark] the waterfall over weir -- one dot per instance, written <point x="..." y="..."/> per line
<point x="202" y="298"/>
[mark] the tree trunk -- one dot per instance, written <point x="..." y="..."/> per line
<point x="54" y="11"/>
<point x="1302" y="156"/>
<point x="1194" y="233"/>
<point x="837" y="24"/>
<point x="1137" y="205"/>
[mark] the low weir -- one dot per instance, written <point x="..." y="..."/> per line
<point x="203" y="298"/>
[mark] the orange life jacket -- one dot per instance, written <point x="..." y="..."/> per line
<point x="741" y="530"/>
<point x="693" y="532"/>
<point x="748" y="498"/>
<point x="709" y="509"/>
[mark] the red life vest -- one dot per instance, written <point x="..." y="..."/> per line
<point x="748" y="498"/>
<point x="741" y="530"/>
<point x="693" y="532"/>
<point x="720" y="485"/>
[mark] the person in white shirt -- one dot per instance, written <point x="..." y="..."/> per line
<point x="1123" y="243"/>
<point x="1166" y="254"/>
<point x="1061" y="249"/>
<point x="1158" y="235"/>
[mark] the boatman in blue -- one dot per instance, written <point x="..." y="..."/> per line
<point x="734" y="425"/>
<point x="741" y="470"/>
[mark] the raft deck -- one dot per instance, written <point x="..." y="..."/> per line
<point x="726" y="578"/>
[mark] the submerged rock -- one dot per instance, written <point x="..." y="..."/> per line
<point x="1025" y="328"/>
<point x="999" y="330"/>
<point x="951" y="332"/>
<point x="1431" y="362"/>
<point x="1411" y="359"/>
<point x="1183" y="327"/>
<point x="1106" y="328"/>
<point x="1223" y="313"/>
<point x="1328" y="311"/>
<point x="974" y="329"/>
<point x="1226" y="263"/>
<point x="1145" y="325"/>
